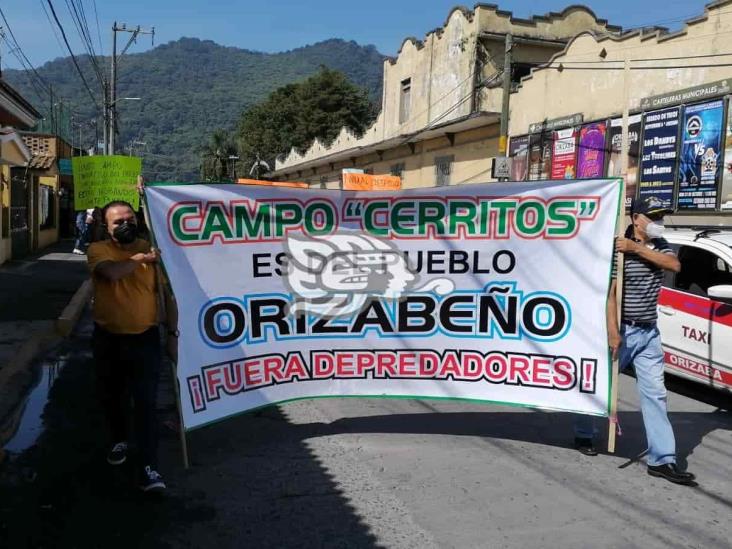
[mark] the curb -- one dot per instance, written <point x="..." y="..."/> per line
<point x="16" y="377"/>
<point x="69" y="317"/>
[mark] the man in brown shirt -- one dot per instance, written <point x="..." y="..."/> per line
<point x="126" y="341"/>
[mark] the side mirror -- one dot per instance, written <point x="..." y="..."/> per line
<point x="721" y="293"/>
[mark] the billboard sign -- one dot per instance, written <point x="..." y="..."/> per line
<point x="658" y="162"/>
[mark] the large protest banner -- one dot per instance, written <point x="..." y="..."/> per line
<point x="481" y="292"/>
<point x="101" y="179"/>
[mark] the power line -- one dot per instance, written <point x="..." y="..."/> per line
<point x="99" y="32"/>
<point x="73" y="57"/>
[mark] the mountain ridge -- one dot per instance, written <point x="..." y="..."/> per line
<point x="190" y="87"/>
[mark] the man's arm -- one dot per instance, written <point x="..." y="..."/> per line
<point x="116" y="270"/>
<point x="666" y="261"/>
<point x="613" y="333"/>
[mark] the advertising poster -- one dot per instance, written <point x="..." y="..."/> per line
<point x="518" y="151"/>
<point x="726" y="202"/>
<point x="438" y="293"/>
<point x="701" y="147"/>
<point x="658" y="161"/>
<point x="99" y="180"/>
<point x="591" y="155"/>
<point x="564" y="154"/>
<point x="540" y="156"/>
<point x="615" y="164"/>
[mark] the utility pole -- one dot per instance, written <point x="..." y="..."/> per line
<point x="503" y="139"/>
<point x="112" y="105"/>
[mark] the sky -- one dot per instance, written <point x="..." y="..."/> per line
<point x="280" y="25"/>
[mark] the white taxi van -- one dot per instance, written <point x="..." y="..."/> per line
<point x="695" y="306"/>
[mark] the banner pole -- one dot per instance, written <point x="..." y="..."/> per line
<point x="619" y="232"/>
<point x="165" y="307"/>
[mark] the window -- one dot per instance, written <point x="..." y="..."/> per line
<point x="397" y="169"/>
<point x="404" y="100"/>
<point x="700" y="269"/>
<point x="443" y="167"/>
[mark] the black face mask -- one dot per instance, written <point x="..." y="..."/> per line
<point x="125" y="233"/>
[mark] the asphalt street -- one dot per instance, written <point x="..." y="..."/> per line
<point x="369" y="473"/>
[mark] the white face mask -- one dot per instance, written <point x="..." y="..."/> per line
<point x="655" y="229"/>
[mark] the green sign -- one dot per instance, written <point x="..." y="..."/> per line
<point x="101" y="179"/>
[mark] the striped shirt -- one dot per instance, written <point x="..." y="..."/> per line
<point x="641" y="284"/>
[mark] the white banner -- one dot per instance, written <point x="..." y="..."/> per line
<point x="490" y="292"/>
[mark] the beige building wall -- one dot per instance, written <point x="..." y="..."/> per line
<point x="4" y="212"/>
<point x="598" y="93"/>
<point x="46" y="237"/>
<point x="443" y="71"/>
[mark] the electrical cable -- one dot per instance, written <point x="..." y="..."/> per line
<point x="73" y="57"/>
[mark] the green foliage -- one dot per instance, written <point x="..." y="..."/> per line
<point x="189" y="88"/>
<point x="293" y="116"/>
<point x="218" y="159"/>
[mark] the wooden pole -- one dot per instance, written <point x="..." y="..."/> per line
<point x="165" y="305"/>
<point x="619" y="231"/>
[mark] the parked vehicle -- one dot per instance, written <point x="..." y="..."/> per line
<point x="695" y="306"/>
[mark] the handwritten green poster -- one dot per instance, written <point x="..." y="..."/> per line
<point x="101" y="179"/>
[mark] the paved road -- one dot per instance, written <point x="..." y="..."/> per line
<point x="371" y="473"/>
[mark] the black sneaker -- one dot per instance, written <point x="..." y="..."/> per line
<point x="118" y="454"/>
<point x="151" y="480"/>
<point x="585" y="446"/>
<point x="672" y="473"/>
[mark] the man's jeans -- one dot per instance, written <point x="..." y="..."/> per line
<point x="127" y="367"/>
<point x="641" y="348"/>
<point x="82" y="231"/>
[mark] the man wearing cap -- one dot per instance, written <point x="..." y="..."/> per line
<point x="638" y="341"/>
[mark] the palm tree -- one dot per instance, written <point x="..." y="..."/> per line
<point x="215" y="156"/>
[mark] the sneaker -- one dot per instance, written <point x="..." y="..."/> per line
<point x="118" y="454"/>
<point x="77" y="251"/>
<point x="151" y="480"/>
<point x="672" y="473"/>
<point x="585" y="446"/>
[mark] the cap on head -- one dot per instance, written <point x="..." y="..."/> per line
<point x="650" y="207"/>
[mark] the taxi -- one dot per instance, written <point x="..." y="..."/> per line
<point x="695" y="306"/>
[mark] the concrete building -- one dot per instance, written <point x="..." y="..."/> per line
<point x="684" y="72"/>
<point x="442" y="100"/>
<point x="439" y="121"/>
<point x="52" y="190"/>
<point x="16" y="113"/>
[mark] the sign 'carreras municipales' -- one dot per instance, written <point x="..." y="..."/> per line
<point x="484" y="292"/>
<point x="697" y="93"/>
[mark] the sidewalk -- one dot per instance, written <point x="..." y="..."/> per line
<point x="34" y="292"/>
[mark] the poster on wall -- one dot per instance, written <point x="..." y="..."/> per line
<point x="658" y="162"/>
<point x="615" y="164"/>
<point x="540" y="156"/>
<point x="701" y="147"/>
<point x="518" y="150"/>
<point x="564" y="153"/>
<point x="591" y="155"/>
<point x="726" y="202"/>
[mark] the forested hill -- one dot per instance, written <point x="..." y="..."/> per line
<point x="190" y="87"/>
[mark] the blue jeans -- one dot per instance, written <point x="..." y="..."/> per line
<point x="82" y="230"/>
<point x="641" y="348"/>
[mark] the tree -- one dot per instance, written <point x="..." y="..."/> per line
<point x="293" y="116"/>
<point x="215" y="162"/>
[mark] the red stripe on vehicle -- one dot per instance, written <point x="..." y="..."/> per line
<point x="702" y="307"/>
<point x="698" y="369"/>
